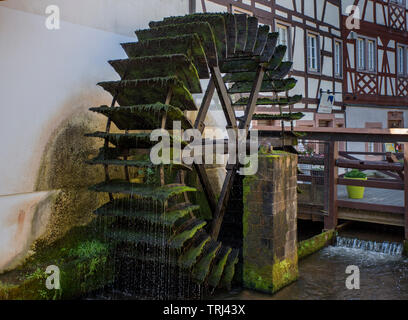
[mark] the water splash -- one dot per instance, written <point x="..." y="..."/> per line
<point x="390" y="248"/>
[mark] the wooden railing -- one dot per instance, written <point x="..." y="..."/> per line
<point x="332" y="160"/>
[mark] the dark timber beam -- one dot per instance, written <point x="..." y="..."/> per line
<point x="200" y="125"/>
<point x="232" y="168"/>
<point x="331" y="150"/>
<point x="406" y="188"/>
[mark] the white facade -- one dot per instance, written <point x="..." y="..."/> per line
<point x="47" y="83"/>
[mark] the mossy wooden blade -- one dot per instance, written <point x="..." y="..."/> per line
<point x="284" y="116"/>
<point x="151" y="239"/>
<point x="240" y="65"/>
<point x="202" y="269"/>
<point x="132" y="208"/>
<point x="125" y="140"/>
<point x="229" y="269"/>
<point x="262" y="36"/>
<point x="277" y="58"/>
<point x="189" y="258"/>
<point x="150" y="91"/>
<point x="282" y="101"/>
<point x="202" y="28"/>
<point x="144" y="117"/>
<point x="178" y="240"/>
<point x="270" y="47"/>
<point x="142" y="191"/>
<point x="177" y="65"/>
<point x="280" y="72"/>
<point x="216" y="20"/>
<point x="130" y="140"/>
<point x="218" y="267"/>
<point x="188" y="44"/>
<point x="252" y="33"/>
<point x="231" y="27"/>
<point x="134" y="163"/>
<point x="242" y="32"/>
<point x="267" y="86"/>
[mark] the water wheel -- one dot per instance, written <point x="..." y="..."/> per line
<point x="164" y="250"/>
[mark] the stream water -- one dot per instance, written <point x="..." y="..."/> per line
<point x="322" y="276"/>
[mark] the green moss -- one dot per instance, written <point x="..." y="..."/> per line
<point x="202" y="268"/>
<point x="218" y="269"/>
<point x="189" y="258"/>
<point x="229" y="270"/>
<point x="270" y="278"/>
<point x="267" y="86"/>
<point x="312" y="245"/>
<point x="81" y="257"/>
<point x="179" y="240"/>
<point x="147" y="192"/>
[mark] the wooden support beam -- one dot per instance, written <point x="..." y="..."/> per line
<point x="200" y="125"/>
<point x="369" y="165"/>
<point x="330" y="222"/>
<point x="225" y="100"/>
<point x="253" y="98"/>
<point x="205" y="105"/>
<point x="380" y="184"/>
<point x="370" y="206"/>
<point x="406" y="188"/>
<point x="222" y="203"/>
<point x="232" y="169"/>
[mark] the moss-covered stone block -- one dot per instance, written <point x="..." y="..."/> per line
<point x="316" y="243"/>
<point x="270" y="260"/>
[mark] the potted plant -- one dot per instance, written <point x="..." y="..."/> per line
<point x="355" y="192"/>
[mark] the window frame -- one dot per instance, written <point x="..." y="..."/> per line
<point x="401" y="3"/>
<point x="404" y="48"/>
<point x="366" y="54"/>
<point x="318" y="52"/>
<point x="289" y="37"/>
<point x="338" y="56"/>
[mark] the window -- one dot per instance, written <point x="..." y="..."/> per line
<point x="360" y="54"/>
<point x="366" y="54"/>
<point x="284" y="39"/>
<point x="373" y="146"/>
<point x="338" y="57"/>
<point x="402" y="63"/>
<point x="312" y="52"/>
<point x="400" y="2"/>
<point x="371" y="55"/>
<point x="400" y="60"/>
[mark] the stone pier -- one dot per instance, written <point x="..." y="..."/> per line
<point x="270" y="259"/>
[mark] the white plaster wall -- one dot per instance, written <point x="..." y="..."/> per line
<point x="122" y="17"/>
<point x="46" y="77"/>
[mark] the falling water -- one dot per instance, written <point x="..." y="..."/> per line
<point x="391" y="248"/>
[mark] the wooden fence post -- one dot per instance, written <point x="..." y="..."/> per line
<point x="406" y="188"/>
<point x="332" y="151"/>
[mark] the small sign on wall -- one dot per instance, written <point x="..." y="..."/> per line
<point x="326" y="103"/>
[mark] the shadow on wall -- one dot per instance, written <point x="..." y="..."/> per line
<point x="63" y="170"/>
<point x="61" y="199"/>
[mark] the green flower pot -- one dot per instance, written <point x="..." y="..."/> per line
<point x="355" y="192"/>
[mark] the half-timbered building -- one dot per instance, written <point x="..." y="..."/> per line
<point x="311" y="29"/>
<point x="375" y="66"/>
